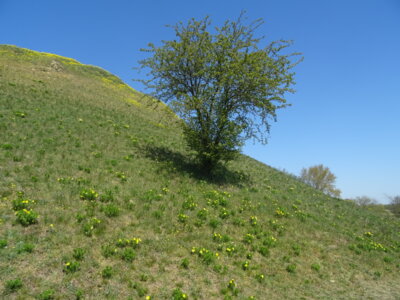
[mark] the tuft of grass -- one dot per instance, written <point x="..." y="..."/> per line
<point x="13" y="285"/>
<point x="47" y="295"/>
<point x="107" y="272"/>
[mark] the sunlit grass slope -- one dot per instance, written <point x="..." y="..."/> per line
<point x="101" y="200"/>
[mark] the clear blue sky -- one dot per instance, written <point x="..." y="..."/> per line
<point x="346" y="112"/>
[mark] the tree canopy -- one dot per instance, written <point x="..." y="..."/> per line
<point x="320" y="178"/>
<point x="224" y="87"/>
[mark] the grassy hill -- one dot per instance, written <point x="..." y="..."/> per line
<point x="99" y="199"/>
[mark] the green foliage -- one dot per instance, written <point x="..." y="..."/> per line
<point x="111" y="210"/>
<point x="25" y="247"/>
<point x="90" y="225"/>
<point x="291" y="268"/>
<point x="13" y="285"/>
<point x="177" y="294"/>
<point x="3" y="243"/>
<point x="71" y="266"/>
<point x="26" y="217"/>
<point x="316" y="267"/>
<point x="185" y="263"/>
<point x="107" y="272"/>
<point x="88" y="194"/>
<point x="365" y="201"/>
<point x="222" y="84"/>
<point x="78" y="253"/>
<point x="128" y="254"/>
<point x="22" y="203"/>
<point x="394" y="205"/>
<point x="47" y="295"/>
<point x="108" y="196"/>
<point x="141" y="290"/>
<point x="320" y="178"/>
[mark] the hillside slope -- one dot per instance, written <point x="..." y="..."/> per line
<point x="101" y="200"/>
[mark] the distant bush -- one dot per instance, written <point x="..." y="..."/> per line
<point x="364" y="201"/>
<point x="394" y="205"/>
<point x="320" y="178"/>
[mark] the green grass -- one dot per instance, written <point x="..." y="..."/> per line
<point x="123" y="213"/>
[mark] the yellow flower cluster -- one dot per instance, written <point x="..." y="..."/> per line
<point x="217" y="237"/>
<point x="230" y="250"/>
<point x="253" y="220"/>
<point x="280" y="213"/>
<point x="232" y="284"/>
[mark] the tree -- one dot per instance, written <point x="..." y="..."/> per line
<point x="221" y="84"/>
<point x="320" y="178"/>
<point x="365" y="201"/>
<point x="394" y="205"/>
<point x="395" y="200"/>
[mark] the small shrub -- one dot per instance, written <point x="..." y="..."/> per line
<point x="214" y="223"/>
<point x="157" y="214"/>
<point x="13" y="285"/>
<point x="248" y="238"/>
<point x="260" y="278"/>
<point x="291" y="268"/>
<point x="296" y="250"/>
<point x="270" y="241"/>
<point x="128" y="254"/>
<point x="26" y="217"/>
<point x="108" y="196"/>
<point x="78" y="253"/>
<point x="134" y="242"/>
<point x="206" y="255"/>
<point x="25" y="247"/>
<point x="121" y="176"/>
<point x="108" y="251"/>
<point x="90" y="226"/>
<point x="144" y="277"/>
<point x="223" y="214"/>
<point x="177" y="294"/>
<point x="245" y="266"/>
<point x="230" y="250"/>
<point x="47" y="295"/>
<point x="107" y="272"/>
<point x="111" y="210"/>
<point x="88" y="194"/>
<point x="22" y="203"/>
<point x="264" y="251"/>
<point x="7" y="146"/>
<point x="142" y="291"/>
<point x="388" y="259"/>
<point x="220" y="269"/>
<point x="71" y="266"/>
<point x="189" y="204"/>
<point x="280" y="212"/>
<point x="3" y="243"/>
<point x="253" y="221"/>
<point x="202" y="214"/>
<point x="225" y="238"/>
<point x="377" y="274"/>
<point x="185" y="263"/>
<point x="79" y="294"/>
<point x="316" y="267"/>
<point x="151" y="195"/>
<point x="232" y="284"/>
<point x="182" y="218"/>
